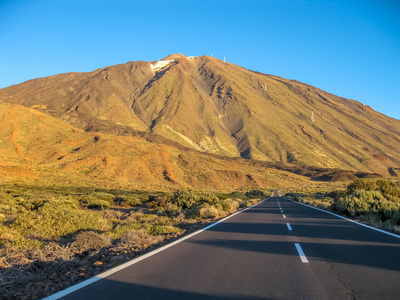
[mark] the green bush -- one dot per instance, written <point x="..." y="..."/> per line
<point x="373" y="201"/>
<point x="54" y="220"/>
<point x="104" y="197"/>
<point x="208" y="212"/>
<point x="363" y="202"/>
<point x="386" y="187"/>
<point x="362" y="184"/>
<point x="229" y="205"/>
<point x="187" y="198"/>
<point x="96" y="203"/>
<point x="129" y="200"/>
<point x="91" y="201"/>
<point x="97" y="199"/>
<point x="171" y="208"/>
<point x="255" y="194"/>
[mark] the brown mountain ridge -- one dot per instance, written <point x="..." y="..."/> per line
<point x="214" y="107"/>
<point x="40" y="148"/>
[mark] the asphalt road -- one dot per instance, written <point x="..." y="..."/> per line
<point x="253" y="255"/>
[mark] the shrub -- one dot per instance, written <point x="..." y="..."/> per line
<point x="362" y="184"/>
<point x="129" y="200"/>
<point x="104" y="196"/>
<point x="187" y="198"/>
<point x="396" y="217"/>
<point x="255" y="194"/>
<point x="361" y="202"/>
<point x="171" y="208"/>
<point x="134" y="216"/>
<point x="136" y="238"/>
<point x="243" y="204"/>
<point x="53" y="220"/>
<point x="91" y="201"/>
<point x="121" y="228"/>
<point x="162" y="220"/>
<point x="208" y="212"/>
<point x="158" y="202"/>
<point x="193" y="212"/>
<point x="90" y="240"/>
<point x="336" y="194"/>
<point x="386" y="187"/>
<point x="229" y="205"/>
<point x="109" y="214"/>
<point x="184" y="199"/>
<point x="97" y="203"/>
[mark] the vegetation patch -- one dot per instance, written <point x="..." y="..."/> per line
<point x="90" y="240"/>
<point x="376" y="202"/>
<point x="66" y="234"/>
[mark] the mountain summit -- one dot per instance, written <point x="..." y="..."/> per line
<point x="209" y="105"/>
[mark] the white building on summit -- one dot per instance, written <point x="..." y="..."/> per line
<point x="160" y="64"/>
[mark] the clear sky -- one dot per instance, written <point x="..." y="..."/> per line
<point x="350" y="48"/>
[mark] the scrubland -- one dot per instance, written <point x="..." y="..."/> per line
<point x="54" y="236"/>
<point x="375" y="202"/>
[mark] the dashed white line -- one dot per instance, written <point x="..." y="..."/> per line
<point x="303" y="257"/>
<point x="288" y="226"/>
<point x="284" y="216"/>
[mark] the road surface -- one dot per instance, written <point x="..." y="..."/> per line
<point x="278" y="249"/>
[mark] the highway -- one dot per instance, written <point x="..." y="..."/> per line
<point x="278" y="249"/>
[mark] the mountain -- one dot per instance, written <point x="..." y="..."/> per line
<point x="205" y="104"/>
<point x="43" y="149"/>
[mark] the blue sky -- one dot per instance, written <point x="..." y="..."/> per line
<point x="348" y="48"/>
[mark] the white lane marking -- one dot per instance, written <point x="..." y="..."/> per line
<point x="284" y="216"/>
<point x="136" y="260"/>
<point x="288" y="226"/>
<point x="344" y="218"/>
<point x="301" y="253"/>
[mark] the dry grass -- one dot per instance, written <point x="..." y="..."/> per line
<point x="57" y="222"/>
<point x="139" y="238"/>
<point x="208" y="212"/>
<point x="58" y="241"/>
<point x="90" y="240"/>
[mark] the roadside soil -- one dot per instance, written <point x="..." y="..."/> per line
<point x="37" y="279"/>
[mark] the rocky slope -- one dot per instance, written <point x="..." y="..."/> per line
<point x="208" y="105"/>
<point x="43" y="149"/>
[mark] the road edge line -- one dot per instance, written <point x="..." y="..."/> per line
<point x="354" y="221"/>
<point x="135" y="260"/>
